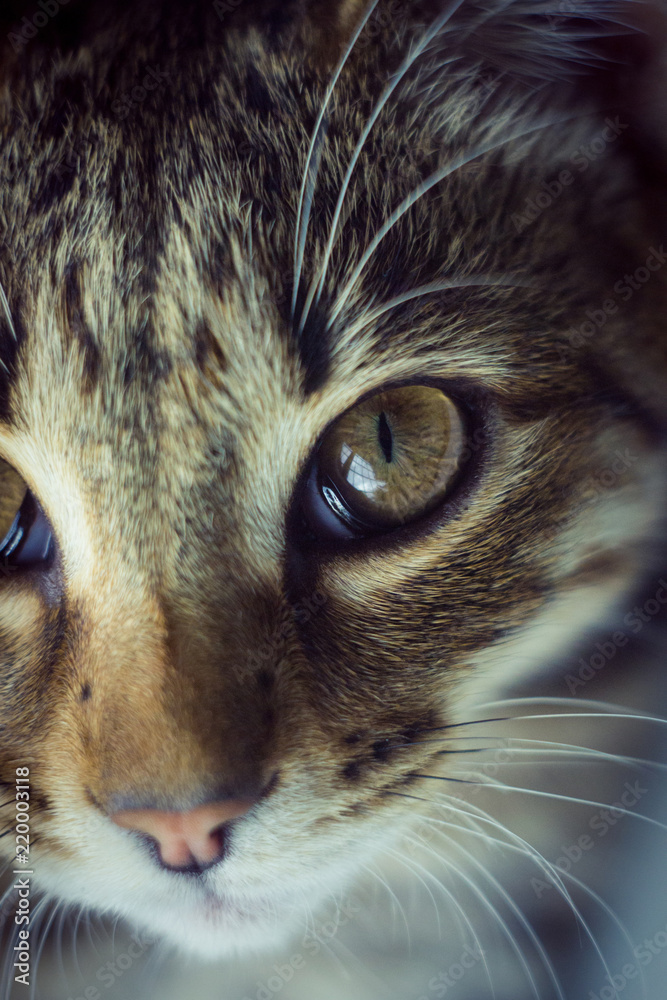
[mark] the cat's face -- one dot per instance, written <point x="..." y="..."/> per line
<point x="230" y="609"/>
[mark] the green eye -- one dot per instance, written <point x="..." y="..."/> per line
<point x="390" y="459"/>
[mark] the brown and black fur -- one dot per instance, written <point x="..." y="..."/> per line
<point x="163" y="402"/>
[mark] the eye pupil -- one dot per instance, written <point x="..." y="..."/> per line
<point x="385" y="437"/>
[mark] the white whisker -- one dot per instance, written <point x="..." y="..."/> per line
<point x="488" y="905"/>
<point x="310" y="175"/>
<point x="423" y="882"/>
<point x="383" y="882"/>
<point x="493" y="783"/>
<point x="570" y="751"/>
<point x="4" y="305"/>
<point x="519" y="844"/>
<point x="63" y="912"/>
<point x="473" y="280"/>
<point x="42" y="933"/>
<point x="75" y="934"/>
<point x="523" y="920"/>
<point x="6" y="310"/>
<point x="413" y="866"/>
<point x="553" y="872"/>
<point x="435" y="178"/>
<point x="605" y="709"/>
<point x="316" y="286"/>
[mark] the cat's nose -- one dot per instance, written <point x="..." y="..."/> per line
<point x="190" y="840"/>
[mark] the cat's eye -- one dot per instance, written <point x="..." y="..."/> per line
<point x="387" y="461"/>
<point x="26" y="538"/>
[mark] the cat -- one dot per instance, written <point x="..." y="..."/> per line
<point x="332" y="402"/>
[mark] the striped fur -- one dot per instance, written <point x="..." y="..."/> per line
<point x="163" y="401"/>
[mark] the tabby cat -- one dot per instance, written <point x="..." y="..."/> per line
<point x="332" y="399"/>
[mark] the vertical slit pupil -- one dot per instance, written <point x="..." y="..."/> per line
<point x="385" y="437"/>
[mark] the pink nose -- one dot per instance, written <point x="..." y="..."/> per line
<point x="185" y="837"/>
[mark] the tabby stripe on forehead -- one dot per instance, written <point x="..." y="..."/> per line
<point x="78" y="329"/>
<point x="209" y="356"/>
<point x="313" y="345"/>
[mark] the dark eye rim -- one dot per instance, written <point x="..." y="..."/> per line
<point x="479" y="413"/>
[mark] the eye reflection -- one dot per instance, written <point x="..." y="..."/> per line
<point x="359" y="473"/>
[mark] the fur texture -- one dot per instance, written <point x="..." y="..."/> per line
<point x="163" y="401"/>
